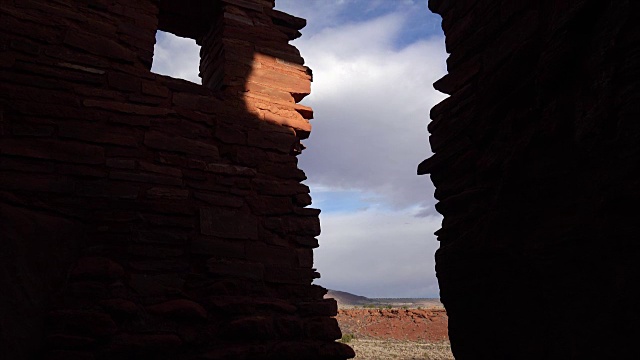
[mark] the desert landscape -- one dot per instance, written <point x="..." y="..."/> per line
<point x="393" y="328"/>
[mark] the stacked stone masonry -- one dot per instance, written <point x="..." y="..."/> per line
<point x="147" y="217"/>
<point x="537" y="173"/>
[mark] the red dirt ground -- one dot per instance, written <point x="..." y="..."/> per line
<point x="429" y="325"/>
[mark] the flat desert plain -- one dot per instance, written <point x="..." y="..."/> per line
<point x="393" y="328"/>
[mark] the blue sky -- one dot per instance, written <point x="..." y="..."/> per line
<point x="373" y="62"/>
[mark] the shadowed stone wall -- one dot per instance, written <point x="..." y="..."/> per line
<point x="148" y="217"/>
<point x="537" y="173"/>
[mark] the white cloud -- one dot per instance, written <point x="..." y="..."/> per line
<point x="371" y="103"/>
<point x="378" y="253"/>
<point x="320" y="14"/>
<point x="177" y="57"/>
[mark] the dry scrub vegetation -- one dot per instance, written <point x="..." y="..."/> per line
<point x="369" y="349"/>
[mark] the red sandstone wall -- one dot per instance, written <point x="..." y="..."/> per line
<point x="537" y="167"/>
<point x="148" y="217"/>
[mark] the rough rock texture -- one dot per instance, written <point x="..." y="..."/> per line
<point x="537" y="170"/>
<point x="423" y="325"/>
<point x="147" y="217"/>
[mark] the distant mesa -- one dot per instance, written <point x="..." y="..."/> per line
<point x="348" y="300"/>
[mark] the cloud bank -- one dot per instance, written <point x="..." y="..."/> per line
<point x="371" y="103"/>
<point x="378" y="253"/>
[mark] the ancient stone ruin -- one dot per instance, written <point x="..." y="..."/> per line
<point x="537" y="170"/>
<point x="147" y="217"/>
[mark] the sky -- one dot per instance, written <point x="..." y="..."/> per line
<point x="373" y="64"/>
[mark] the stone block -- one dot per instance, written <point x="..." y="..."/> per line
<point x="108" y="189"/>
<point x="206" y="104"/>
<point x="37" y="182"/>
<point x="276" y="224"/>
<point x="86" y="322"/>
<point x="153" y="251"/>
<point x="98" y="45"/>
<point x="230" y="134"/>
<point x="281" y="80"/>
<point x="303" y="199"/>
<point x="172" y="237"/>
<point x="89" y="171"/>
<point x="121" y="163"/>
<point x="249" y="305"/>
<point x="280" y="188"/>
<point x="291" y="119"/>
<point x="269" y="92"/>
<point x="167" y="193"/>
<point x="304" y="225"/>
<point x="154" y="89"/>
<point x="287" y="275"/>
<point x="120" y="307"/>
<point x="123" y="82"/>
<point x="322" y="328"/>
<point x="70" y="355"/>
<point x="180" y="85"/>
<point x="26" y="164"/>
<point x="97" y="268"/>
<point x="306" y="211"/>
<point x="145" y="343"/>
<point x="160" y="266"/>
<point x="147" y="285"/>
<point x="160" y="206"/>
<point x="289" y="327"/>
<point x="170" y="221"/>
<point x="203" y="245"/>
<point x="253" y="328"/>
<point x="72" y="152"/>
<point x="240" y="269"/>
<point x="336" y="350"/>
<point x="133" y="120"/>
<point x="145" y="178"/>
<point x="219" y="199"/>
<point x="307" y="241"/>
<point x="97" y="134"/>
<point x="324" y="307"/>
<point x="228" y="224"/>
<point x="273" y="141"/>
<point x="179" y="309"/>
<point x="283" y="171"/>
<point x="305" y="258"/>
<point x="62" y="73"/>
<point x="196" y="116"/>
<point x="126" y="108"/>
<point x="64" y="341"/>
<point x="27" y="129"/>
<point x="270" y="205"/>
<point x="235" y="352"/>
<point x="162" y="141"/>
<point x="271" y="255"/>
<point x="229" y="170"/>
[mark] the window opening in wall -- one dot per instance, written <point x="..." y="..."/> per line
<point x="177" y="57"/>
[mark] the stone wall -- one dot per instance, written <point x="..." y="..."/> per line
<point x="537" y="173"/>
<point x="148" y="217"/>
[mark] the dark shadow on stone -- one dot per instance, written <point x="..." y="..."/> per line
<point x="536" y="168"/>
<point x="150" y="217"/>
